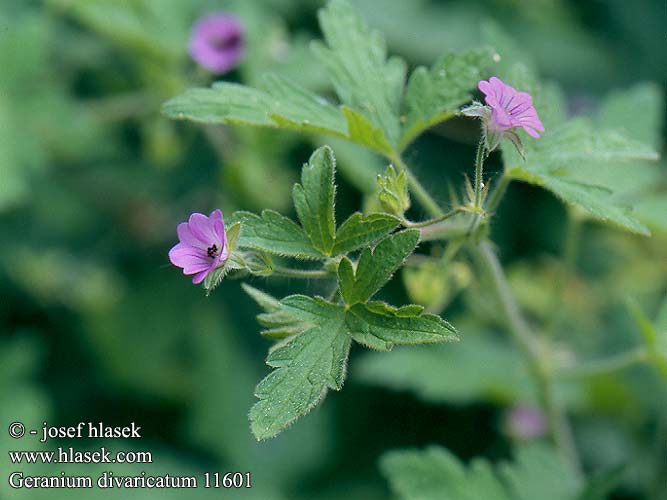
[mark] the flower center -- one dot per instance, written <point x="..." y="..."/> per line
<point x="225" y="42"/>
<point x="212" y="251"/>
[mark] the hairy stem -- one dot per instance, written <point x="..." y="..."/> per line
<point x="301" y="273"/>
<point x="425" y="199"/>
<point x="533" y="352"/>
<point x="435" y="220"/>
<point x="479" y="186"/>
<point x="603" y="366"/>
<point x="479" y="173"/>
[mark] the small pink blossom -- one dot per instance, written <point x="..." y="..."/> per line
<point x="216" y="42"/>
<point x="525" y="422"/>
<point x="509" y="107"/>
<point x="506" y="110"/>
<point x="202" y="245"/>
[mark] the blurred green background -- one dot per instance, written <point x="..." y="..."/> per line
<point x="95" y="325"/>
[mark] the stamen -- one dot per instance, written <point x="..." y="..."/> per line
<point x="212" y="251"/>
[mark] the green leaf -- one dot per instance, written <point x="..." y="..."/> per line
<point x="577" y="142"/>
<point x="314" y="202"/>
<point x="636" y="112"/>
<point x="369" y="86"/>
<point x="380" y="326"/>
<point x="283" y="104"/>
<point x="297" y="108"/>
<point x="359" y="231"/>
<point x="274" y="233"/>
<point x="307" y="365"/>
<point x="594" y="200"/>
<point x="157" y="28"/>
<point x="538" y="472"/>
<point x="263" y="299"/>
<point x="356" y="60"/>
<point x="314" y="199"/>
<point x="223" y="103"/>
<point x="375" y="267"/>
<point x="479" y="368"/>
<point x="363" y="131"/>
<point x="565" y="161"/>
<point x="279" y="323"/>
<point x="435" y="473"/>
<point x="314" y="341"/>
<point x="434" y="95"/>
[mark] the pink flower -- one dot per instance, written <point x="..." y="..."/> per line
<point x="202" y="245"/>
<point x="509" y="107"/>
<point x="525" y="422"/>
<point x="216" y="42"/>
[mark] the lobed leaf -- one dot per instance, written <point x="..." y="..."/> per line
<point x="375" y="267"/>
<point x="570" y="160"/>
<point x="359" y="231"/>
<point x="594" y="200"/>
<point x="224" y="102"/>
<point x="298" y="108"/>
<point x="435" y="95"/>
<point x="435" y="473"/>
<point x="356" y="61"/>
<point x="380" y="326"/>
<point x="314" y="199"/>
<point x="480" y="368"/>
<point x="276" y="234"/>
<point x="283" y="104"/>
<point x="315" y="337"/>
<point x="307" y="365"/>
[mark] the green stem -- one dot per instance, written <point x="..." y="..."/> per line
<point x="479" y="173"/>
<point x="498" y="193"/>
<point x="430" y="222"/>
<point x="301" y="273"/>
<point x="425" y="199"/>
<point x="533" y="352"/>
<point x="603" y="366"/>
<point x="479" y="186"/>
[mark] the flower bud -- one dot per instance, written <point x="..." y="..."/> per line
<point x="394" y="196"/>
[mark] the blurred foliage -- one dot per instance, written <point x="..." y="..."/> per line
<point x="93" y="181"/>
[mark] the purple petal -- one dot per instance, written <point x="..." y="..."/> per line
<point x="218" y="226"/>
<point x="185" y="236"/>
<point x="531" y="131"/>
<point x="202" y="229"/>
<point x="191" y="259"/>
<point x="509" y="107"/>
<point x="484" y="87"/>
<point x="217" y="42"/>
<point x="199" y="277"/>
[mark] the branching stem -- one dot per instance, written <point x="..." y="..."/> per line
<point x="435" y="220"/>
<point x="603" y="366"/>
<point x="533" y="351"/>
<point x="420" y="192"/>
<point x="301" y="273"/>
